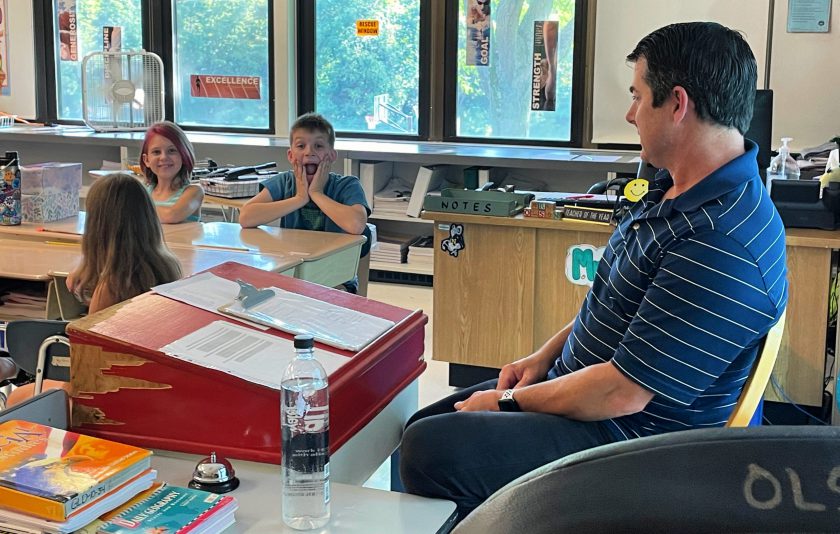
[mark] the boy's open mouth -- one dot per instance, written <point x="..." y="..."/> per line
<point x="310" y="168"/>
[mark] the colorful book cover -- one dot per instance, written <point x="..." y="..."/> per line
<point x="174" y="510"/>
<point x="52" y="473"/>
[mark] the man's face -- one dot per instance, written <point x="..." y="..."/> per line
<point x="653" y="124"/>
<point x="309" y="148"/>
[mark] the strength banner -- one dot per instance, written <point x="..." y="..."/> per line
<point x="544" y="66"/>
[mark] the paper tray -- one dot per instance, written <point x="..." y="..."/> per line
<point x="493" y="203"/>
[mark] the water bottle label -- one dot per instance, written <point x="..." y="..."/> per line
<point x="305" y="436"/>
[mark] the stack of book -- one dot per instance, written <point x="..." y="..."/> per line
<point x="52" y="480"/>
<point x="56" y="482"/>
<point x="421" y="253"/>
<point x="391" y="247"/>
<point x="168" y="509"/>
<point x="23" y="303"/>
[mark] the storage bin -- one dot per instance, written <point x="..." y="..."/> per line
<point x="50" y="191"/>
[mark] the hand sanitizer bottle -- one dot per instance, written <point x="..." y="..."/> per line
<point x="783" y="166"/>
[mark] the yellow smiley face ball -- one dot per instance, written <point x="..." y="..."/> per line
<point x="636" y="189"/>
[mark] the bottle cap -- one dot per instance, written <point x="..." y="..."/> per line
<point x="304" y="341"/>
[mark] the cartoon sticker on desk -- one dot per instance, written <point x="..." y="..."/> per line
<point x="455" y="242"/>
<point x="582" y="262"/>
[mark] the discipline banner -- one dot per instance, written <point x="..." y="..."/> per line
<point x="478" y="33"/>
<point x="544" y="66"/>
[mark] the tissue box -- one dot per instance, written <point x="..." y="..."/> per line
<point x="48" y="207"/>
<point x="51" y="178"/>
<point x="50" y="191"/>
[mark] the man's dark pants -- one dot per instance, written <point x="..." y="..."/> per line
<point x="466" y="456"/>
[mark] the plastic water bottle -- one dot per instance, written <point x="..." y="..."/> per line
<point x="10" y="212"/>
<point x="783" y="166"/>
<point x="305" y="427"/>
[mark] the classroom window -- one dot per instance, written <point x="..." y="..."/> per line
<point x="514" y="70"/>
<point x="79" y="26"/>
<point x="367" y="65"/>
<point x="221" y="63"/>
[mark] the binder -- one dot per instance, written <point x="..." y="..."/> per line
<point x="374" y="175"/>
<point x="429" y="178"/>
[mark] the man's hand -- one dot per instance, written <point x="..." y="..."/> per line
<point x="481" y="401"/>
<point x="523" y="372"/>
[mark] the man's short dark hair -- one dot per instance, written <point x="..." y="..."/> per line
<point x="313" y="122"/>
<point x="713" y="63"/>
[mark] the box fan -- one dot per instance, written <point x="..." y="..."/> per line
<point x="122" y="90"/>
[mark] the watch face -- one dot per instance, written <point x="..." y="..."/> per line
<point x="507" y="403"/>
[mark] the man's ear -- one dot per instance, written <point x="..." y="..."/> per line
<point x="680" y="102"/>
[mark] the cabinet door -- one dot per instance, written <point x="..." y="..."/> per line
<point x="484" y="295"/>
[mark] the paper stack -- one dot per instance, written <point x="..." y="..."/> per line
<point x="421" y="252"/>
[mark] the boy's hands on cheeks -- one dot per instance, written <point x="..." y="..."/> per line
<point x="319" y="180"/>
<point x="301" y="183"/>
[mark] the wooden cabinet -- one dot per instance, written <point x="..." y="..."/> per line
<point x="507" y="291"/>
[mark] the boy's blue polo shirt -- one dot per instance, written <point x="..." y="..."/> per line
<point x="684" y="292"/>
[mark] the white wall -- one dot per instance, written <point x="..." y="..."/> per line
<point x="620" y="25"/>
<point x="20" y="45"/>
<point x="805" y="81"/>
<point x="803" y="66"/>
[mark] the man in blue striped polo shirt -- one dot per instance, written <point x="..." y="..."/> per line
<point x="691" y="280"/>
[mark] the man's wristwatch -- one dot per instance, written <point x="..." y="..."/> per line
<point x="507" y="403"/>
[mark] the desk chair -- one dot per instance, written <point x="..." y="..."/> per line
<point x="633" y="486"/>
<point x="40" y="348"/>
<point x="47" y="408"/>
<point x="758" y="479"/>
<point x="751" y="395"/>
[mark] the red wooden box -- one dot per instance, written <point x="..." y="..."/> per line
<point x="126" y="389"/>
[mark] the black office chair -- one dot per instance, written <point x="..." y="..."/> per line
<point x="646" y="170"/>
<point x="40" y="348"/>
<point x="755" y="479"/>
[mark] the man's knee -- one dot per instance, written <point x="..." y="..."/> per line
<point x="422" y="457"/>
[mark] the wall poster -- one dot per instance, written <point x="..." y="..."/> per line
<point x="67" y="30"/>
<point x="4" y="49"/>
<point x="544" y="66"/>
<point x="478" y="33"/>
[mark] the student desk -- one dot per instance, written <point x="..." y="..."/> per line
<point x="224" y="203"/>
<point x="329" y="258"/>
<point x="125" y="388"/>
<point x="507" y="292"/>
<point x="50" y="262"/>
<point x="354" y="509"/>
<point x="70" y="229"/>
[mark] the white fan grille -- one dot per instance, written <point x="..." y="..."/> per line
<point x="122" y="90"/>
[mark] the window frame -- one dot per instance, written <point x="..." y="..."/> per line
<point x="157" y="30"/>
<point x="450" y="85"/>
<point x="306" y="72"/>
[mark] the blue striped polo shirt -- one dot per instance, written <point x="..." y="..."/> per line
<point x="683" y="294"/>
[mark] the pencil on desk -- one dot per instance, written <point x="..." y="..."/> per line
<point x="219" y="247"/>
<point x="63" y="243"/>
